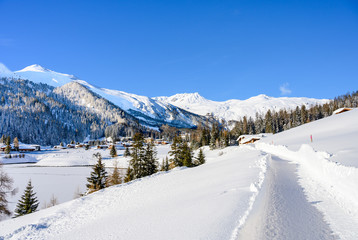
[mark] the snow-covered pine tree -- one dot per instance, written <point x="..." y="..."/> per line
<point x="115" y="178"/>
<point x="113" y="151"/>
<point x="28" y="202"/>
<point x="129" y="175"/>
<point x="7" y="149"/>
<point x="127" y="153"/>
<point x="201" y="157"/>
<point x="8" y="140"/>
<point x="98" y="178"/>
<point x="16" y="144"/>
<point x="5" y="189"/>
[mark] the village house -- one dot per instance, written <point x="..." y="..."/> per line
<point x="247" y="139"/>
<point x="342" y="110"/>
<point x="22" y="148"/>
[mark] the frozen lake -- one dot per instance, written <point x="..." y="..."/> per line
<point x="62" y="182"/>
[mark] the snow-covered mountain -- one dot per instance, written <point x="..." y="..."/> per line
<point x="148" y="111"/>
<point x="235" y="109"/>
<point x="182" y="110"/>
<point x="5" y="72"/>
<point x="39" y="74"/>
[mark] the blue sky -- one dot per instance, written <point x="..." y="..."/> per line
<point x="221" y="49"/>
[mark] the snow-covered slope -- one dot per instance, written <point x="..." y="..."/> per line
<point x="235" y="109"/>
<point x="146" y="109"/>
<point x="5" y="72"/>
<point x="39" y="74"/>
<point x="207" y="202"/>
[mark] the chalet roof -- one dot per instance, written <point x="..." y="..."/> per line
<point x="341" y="110"/>
<point x="246" y="138"/>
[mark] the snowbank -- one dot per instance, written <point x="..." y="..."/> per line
<point x="332" y="186"/>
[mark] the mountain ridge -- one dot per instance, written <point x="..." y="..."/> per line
<point x="161" y="108"/>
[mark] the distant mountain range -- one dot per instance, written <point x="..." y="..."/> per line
<point x="235" y="109"/>
<point x="184" y="110"/>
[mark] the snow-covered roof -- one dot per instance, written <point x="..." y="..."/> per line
<point x="340" y="110"/>
<point x="246" y="138"/>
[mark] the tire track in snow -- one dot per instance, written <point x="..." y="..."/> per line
<point x="282" y="210"/>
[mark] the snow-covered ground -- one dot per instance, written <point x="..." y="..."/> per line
<point x="282" y="187"/>
<point x="61" y="182"/>
<point x="327" y="167"/>
<point x="70" y="167"/>
<point x="207" y="202"/>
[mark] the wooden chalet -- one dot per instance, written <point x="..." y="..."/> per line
<point x="342" y="110"/>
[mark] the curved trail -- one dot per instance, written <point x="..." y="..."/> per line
<point x="282" y="211"/>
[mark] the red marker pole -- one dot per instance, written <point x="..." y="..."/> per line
<point x="311" y="138"/>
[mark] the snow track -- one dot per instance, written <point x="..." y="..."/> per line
<point x="282" y="210"/>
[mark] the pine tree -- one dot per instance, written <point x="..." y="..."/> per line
<point x="28" y="202"/>
<point x="5" y="189"/>
<point x="98" y="178"/>
<point x="7" y="149"/>
<point x="113" y="151"/>
<point x="165" y="164"/>
<point x="187" y="155"/>
<point x="115" y="177"/>
<point x="176" y="152"/>
<point x="201" y="157"/>
<point x="137" y="162"/>
<point x="214" y="135"/>
<point x="129" y="175"/>
<point x="268" y="122"/>
<point x="127" y="153"/>
<point x="8" y="140"/>
<point x="151" y="164"/>
<point x="162" y="166"/>
<point x="16" y="144"/>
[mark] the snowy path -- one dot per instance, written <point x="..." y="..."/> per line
<point x="282" y="211"/>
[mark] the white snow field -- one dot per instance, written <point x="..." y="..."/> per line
<point x="211" y="201"/>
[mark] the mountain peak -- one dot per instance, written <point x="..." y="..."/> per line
<point x="187" y="98"/>
<point x="4" y="70"/>
<point x="34" y="68"/>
